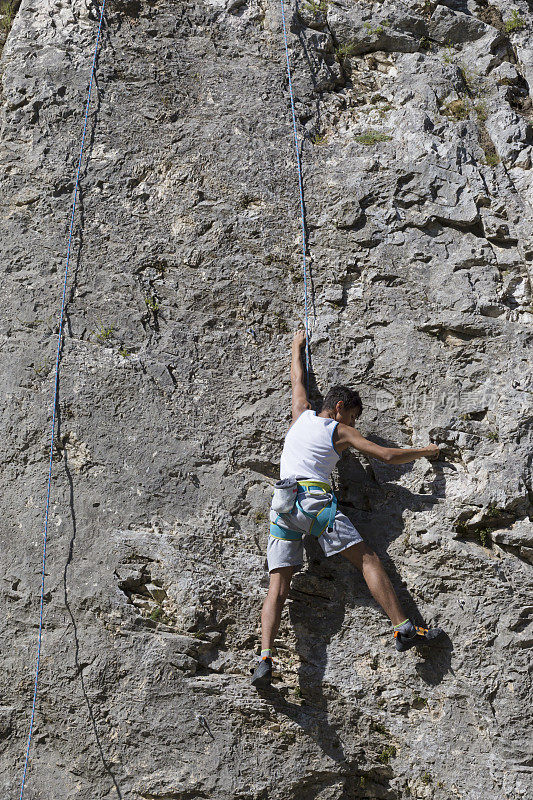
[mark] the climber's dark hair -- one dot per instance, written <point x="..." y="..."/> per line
<point x="349" y="397"/>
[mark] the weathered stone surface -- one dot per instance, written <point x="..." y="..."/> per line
<point x="453" y="27"/>
<point x="185" y="285"/>
<point x="363" y="28"/>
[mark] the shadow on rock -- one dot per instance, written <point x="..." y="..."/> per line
<point x="436" y="661"/>
<point x="379" y="518"/>
<point x="310" y="718"/>
<point x="317" y="611"/>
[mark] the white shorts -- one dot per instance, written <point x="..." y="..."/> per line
<point x="285" y="553"/>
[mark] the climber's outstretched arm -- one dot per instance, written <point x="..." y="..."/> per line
<point x="299" y="395"/>
<point x="350" y="437"/>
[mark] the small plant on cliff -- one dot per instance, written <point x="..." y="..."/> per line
<point x="104" y="333"/>
<point x="151" y="303"/>
<point x="380" y="728"/>
<point x="315" y="7"/>
<point x="419" y="701"/>
<point x="481" y="112"/>
<point x="462" y="528"/>
<point x="319" y="138"/>
<point x="42" y="368"/>
<point x="456" y="109"/>
<point x="387" y="753"/>
<point x="369" y="138"/>
<point x="449" y="53"/>
<point x="345" y="50"/>
<point x="384" y="111"/>
<point x="158" y="615"/>
<point x="484" y="537"/>
<point x="8" y="10"/>
<point x="515" y="22"/>
<point x="474" y="83"/>
<point x="492" y="159"/>
<point x="378" y="29"/>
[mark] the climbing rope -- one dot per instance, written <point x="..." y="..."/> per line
<point x="300" y="184"/>
<point x="45" y="534"/>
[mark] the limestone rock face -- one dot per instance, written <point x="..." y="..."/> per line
<point x="185" y="285"/>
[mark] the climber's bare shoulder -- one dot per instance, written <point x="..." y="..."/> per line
<point x="345" y="436"/>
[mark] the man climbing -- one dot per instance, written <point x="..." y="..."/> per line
<point x="312" y="447"/>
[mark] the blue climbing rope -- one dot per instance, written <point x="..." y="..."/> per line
<point x="45" y="534"/>
<point x="300" y="184"/>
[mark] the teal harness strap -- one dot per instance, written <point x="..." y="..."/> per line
<point x="332" y="513"/>
<point x="324" y="519"/>
<point x="284" y="533"/>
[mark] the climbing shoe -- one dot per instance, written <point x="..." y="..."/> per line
<point x="262" y="675"/>
<point x="409" y="635"/>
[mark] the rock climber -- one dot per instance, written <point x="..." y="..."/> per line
<point x="312" y="447"/>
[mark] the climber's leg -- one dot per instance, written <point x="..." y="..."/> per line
<point x="365" y="559"/>
<point x="406" y="633"/>
<point x="280" y="582"/>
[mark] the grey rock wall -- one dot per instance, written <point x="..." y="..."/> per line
<point x="185" y="286"/>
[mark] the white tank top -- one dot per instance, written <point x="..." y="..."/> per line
<point x="308" y="450"/>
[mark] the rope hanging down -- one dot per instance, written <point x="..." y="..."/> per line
<point x="300" y="184"/>
<point x="45" y="534"/>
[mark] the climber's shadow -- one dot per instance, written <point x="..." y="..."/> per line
<point x="376" y="509"/>
<point x="312" y="721"/>
<point x="435" y="662"/>
<point x="436" y="488"/>
<point x="316" y="613"/>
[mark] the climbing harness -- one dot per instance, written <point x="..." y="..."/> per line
<point x="321" y="521"/>
<point x="300" y="185"/>
<point x="56" y="383"/>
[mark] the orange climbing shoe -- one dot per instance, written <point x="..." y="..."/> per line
<point x="410" y="635"/>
